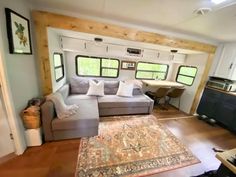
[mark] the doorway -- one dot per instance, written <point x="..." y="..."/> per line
<point x="6" y="144"/>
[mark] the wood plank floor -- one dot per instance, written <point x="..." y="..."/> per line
<point x="169" y="112"/>
<point x="58" y="159"/>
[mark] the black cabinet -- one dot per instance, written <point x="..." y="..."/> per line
<point x="219" y="106"/>
<point x="209" y="103"/>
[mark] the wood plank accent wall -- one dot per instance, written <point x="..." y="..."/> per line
<point x="42" y="20"/>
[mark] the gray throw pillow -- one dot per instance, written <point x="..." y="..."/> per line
<point x="137" y="91"/>
<point x="111" y="87"/>
<point x="79" y="85"/>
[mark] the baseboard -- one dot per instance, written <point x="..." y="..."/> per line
<point x="7" y="157"/>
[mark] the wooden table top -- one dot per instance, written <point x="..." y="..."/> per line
<point x="223" y="156"/>
<point x="161" y="83"/>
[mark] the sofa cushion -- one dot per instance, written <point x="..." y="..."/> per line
<point x="111" y="87"/>
<point x="74" y="123"/>
<point x="112" y="101"/>
<point x="87" y="116"/>
<point x="76" y="98"/>
<point x="78" y="85"/>
<point x="137" y="91"/>
<point x="64" y="91"/>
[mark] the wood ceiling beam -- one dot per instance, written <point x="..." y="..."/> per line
<point x="89" y="26"/>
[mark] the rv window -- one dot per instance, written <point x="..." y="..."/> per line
<point x="186" y="75"/>
<point x="58" y="66"/>
<point x="151" y="71"/>
<point x="96" y="67"/>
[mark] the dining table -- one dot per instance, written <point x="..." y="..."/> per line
<point x="162" y="83"/>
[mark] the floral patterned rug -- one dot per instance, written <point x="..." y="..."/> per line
<point x="131" y="146"/>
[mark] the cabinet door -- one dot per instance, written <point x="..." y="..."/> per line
<point x="233" y="74"/>
<point x="207" y="107"/>
<point x="179" y="58"/>
<point x="226" y="62"/>
<point x="209" y="103"/>
<point x="226" y="114"/>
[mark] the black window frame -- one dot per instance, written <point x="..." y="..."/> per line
<point x="57" y="67"/>
<point x="101" y="67"/>
<point x="151" y="71"/>
<point x="186" y="75"/>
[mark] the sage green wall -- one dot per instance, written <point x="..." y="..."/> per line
<point x="21" y="69"/>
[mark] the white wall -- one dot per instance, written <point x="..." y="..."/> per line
<point x="123" y="75"/>
<point x="20" y="70"/>
<point x="198" y="60"/>
<point x="54" y="46"/>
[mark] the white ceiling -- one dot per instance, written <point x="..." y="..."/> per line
<point x="175" y="16"/>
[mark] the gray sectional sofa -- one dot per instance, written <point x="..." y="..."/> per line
<point x="86" y="121"/>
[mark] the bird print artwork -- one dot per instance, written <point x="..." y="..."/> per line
<point x="20" y="34"/>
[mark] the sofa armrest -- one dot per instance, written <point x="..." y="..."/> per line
<point x="47" y="114"/>
<point x="151" y="103"/>
<point x="64" y="90"/>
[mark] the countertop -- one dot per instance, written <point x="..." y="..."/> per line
<point x="223" y="156"/>
<point x="222" y="91"/>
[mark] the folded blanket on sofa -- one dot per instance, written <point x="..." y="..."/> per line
<point x="63" y="111"/>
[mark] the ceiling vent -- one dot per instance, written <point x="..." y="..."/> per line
<point x="202" y="11"/>
<point x="134" y="52"/>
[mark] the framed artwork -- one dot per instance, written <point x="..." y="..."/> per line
<point x="128" y="65"/>
<point x="18" y="32"/>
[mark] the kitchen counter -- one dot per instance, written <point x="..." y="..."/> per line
<point x="222" y="91"/>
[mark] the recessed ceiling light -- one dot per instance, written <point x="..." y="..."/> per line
<point x="218" y="1"/>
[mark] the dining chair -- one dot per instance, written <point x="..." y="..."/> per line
<point x="175" y="93"/>
<point x="159" y="94"/>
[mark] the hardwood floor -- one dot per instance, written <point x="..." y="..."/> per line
<point x="169" y="112"/>
<point x="58" y="159"/>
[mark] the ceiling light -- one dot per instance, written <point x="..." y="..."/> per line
<point x="217" y="1"/>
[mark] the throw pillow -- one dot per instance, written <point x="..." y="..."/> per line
<point x="79" y="85"/>
<point x="96" y="89"/>
<point x="111" y="87"/>
<point x="125" y="90"/>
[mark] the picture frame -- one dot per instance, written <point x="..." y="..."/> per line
<point x="18" y="33"/>
<point x="128" y="65"/>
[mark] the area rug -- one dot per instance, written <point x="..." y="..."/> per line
<point x="131" y="146"/>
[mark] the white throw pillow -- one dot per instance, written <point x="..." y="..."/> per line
<point x="125" y="89"/>
<point x="96" y="89"/>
